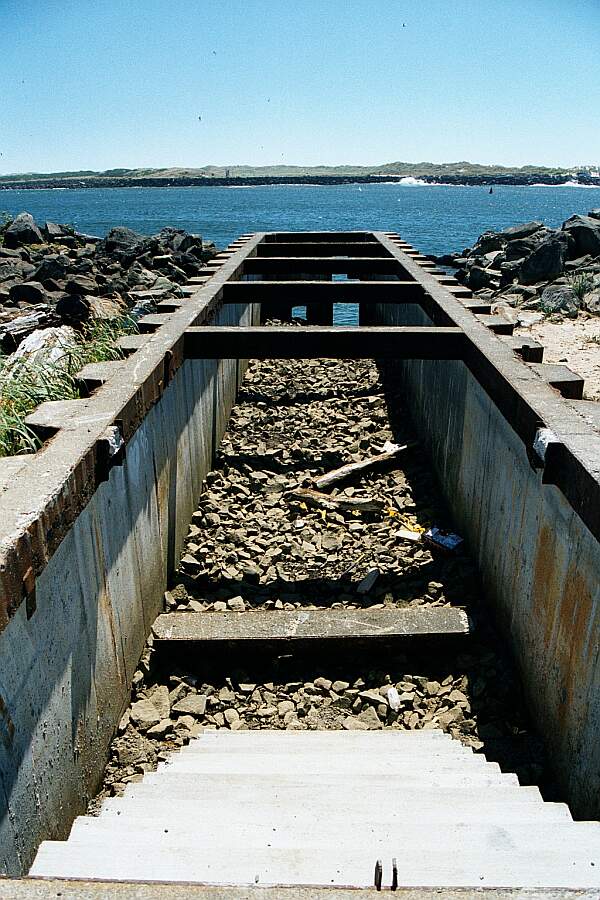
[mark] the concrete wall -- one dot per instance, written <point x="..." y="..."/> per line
<point x="65" y="673"/>
<point x="539" y="562"/>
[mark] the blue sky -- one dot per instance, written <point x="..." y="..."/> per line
<point x="95" y="84"/>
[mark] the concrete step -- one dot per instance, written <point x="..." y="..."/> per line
<point x="401" y="771"/>
<point x="318" y="835"/>
<point x="431" y="737"/>
<point x="340" y="746"/>
<point x="377" y="747"/>
<point x="338" y="741"/>
<point x="319" y="808"/>
<point x="330" y="781"/>
<point x="240" y="866"/>
<point x="287" y="806"/>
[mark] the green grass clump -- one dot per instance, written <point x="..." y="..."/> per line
<point x="581" y="284"/>
<point x="25" y="383"/>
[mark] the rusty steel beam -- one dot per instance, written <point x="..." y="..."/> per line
<point x="299" y="237"/>
<point x="322" y="248"/>
<point x="315" y="265"/>
<point x="270" y="342"/>
<point x="299" y="293"/>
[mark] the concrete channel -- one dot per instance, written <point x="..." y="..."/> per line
<point x="96" y="528"/>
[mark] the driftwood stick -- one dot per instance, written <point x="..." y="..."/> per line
<point x="325" y="481"/>
<point x="324" y="501"/>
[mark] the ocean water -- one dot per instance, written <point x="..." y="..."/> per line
<point x="435" y="218"/>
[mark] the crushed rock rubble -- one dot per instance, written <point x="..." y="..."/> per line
<point x="251" y="546"/>
<point x="255" y="538"/>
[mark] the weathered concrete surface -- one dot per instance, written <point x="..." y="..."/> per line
<point x="310" y="625"/>
<point x="540" y="563"/>
<point x="50" y="889"/>
<point x="69" y="653"/>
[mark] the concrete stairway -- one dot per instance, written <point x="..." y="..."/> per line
<point x="320" y="808"/>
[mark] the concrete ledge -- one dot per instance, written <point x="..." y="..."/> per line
<point x="528" y="349"/>
<point x="50" y="889"/>
<point x="497" y="324"/>
<point x="567" y="382"/>
<point x="477" y="307"/>
<point x="319" y="625"/>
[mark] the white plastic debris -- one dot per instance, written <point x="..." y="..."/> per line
<point x="113" y="437"/>
<point x="393" y="698"/>
<point x="543" y="438"/>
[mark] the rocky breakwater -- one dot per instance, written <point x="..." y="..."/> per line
<point x="533" y="267"/>
<point x="271" y="536"/>
<point x="547" y="282"/>
<point x="52" y="276"/>
<point x="66" y="298"/>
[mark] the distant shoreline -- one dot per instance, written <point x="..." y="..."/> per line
<point x="529" y="180"/>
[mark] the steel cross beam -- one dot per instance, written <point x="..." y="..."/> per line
<point x="299" y="293"/>
<point x="309" y="342"/>
<point x="320" y="265"/>
<point x="321" y="249"/>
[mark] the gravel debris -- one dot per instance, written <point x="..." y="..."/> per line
<point x="250" y="545"/>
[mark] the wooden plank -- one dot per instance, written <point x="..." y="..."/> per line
<point x="298" y="293"/>
<point x="311" y="342"/>
<point x="320" y="624"/>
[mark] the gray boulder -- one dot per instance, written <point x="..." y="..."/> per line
<point x="52" y="267"/>
<point x="27" y="292"/>
<point x="585" y="232"/>
<point x="22" y="230"/>
<point x="81" y="284"/>
<point x="547" y="260"/>
<point x="487" y="242"/>
<point x="73" y="308"/>
<point x="121" y="239"/>
<point x="509" y="271"/>
<point x="54" y="231"/>
<point x="519" y="249"/>
<point x="479" y="277"/>
<point x="560" y="298"/>
<point x="591" y="302"/>
<point x="594" y="214"/>
<point x="517" y="232"/>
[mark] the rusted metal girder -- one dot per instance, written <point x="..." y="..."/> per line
<point x="298" y="266"/>
<point x="299" y="293"/>
<point x="301" y="237"/>
<point x="313" y="342"/>
<point x="321" y="249"/>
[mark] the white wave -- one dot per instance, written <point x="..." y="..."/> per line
<point x="409" y="181"/>
<point x="563" y="184"/>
